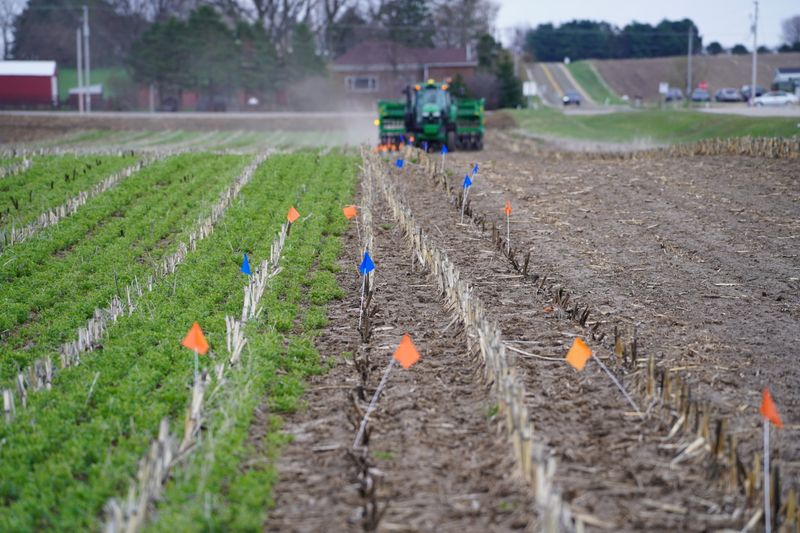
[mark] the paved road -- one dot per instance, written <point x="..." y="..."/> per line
<point x="564" y="78"/>
<point x="549" y="90"/>
<point x="554" y="79"/>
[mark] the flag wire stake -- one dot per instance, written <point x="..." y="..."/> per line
<point x="508" y="233"/>
<point x="619" y="385"/>
<point x="464" y="203"/>
<point x="767" y="519"/>
<point x="372" y="404"/>
<point x="361" y="307"/>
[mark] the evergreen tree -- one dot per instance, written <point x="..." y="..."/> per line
<point x="714" y="48"/>
<point x="408" y="22"/>
<point x="213" y="59"/>
<point x="160" y="58"/>
<point x="258" y="60"/>
<point x="303" y="60"/>
<point x="739" y="50"/>
<point x="46" y="30"/>
<point x="510" y="85"/>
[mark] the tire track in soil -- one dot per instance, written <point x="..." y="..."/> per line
<point x="443" y="463"/>
<point x="610" y="465"/>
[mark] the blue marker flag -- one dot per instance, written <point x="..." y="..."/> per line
<point x="425" y="146"/>
<point x="467" y="182"/>
<point x="367" y="265"/>
<point x="399" y="163"/>
<point x="444" y="148"/>
<point x="475" y="169"/>
<point x="246" y="266"/>
<point x="402" y="139"/>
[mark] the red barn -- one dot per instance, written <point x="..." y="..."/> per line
<point x="28" y="83"/>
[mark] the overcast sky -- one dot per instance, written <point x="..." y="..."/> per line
<point x="726" y="21"/>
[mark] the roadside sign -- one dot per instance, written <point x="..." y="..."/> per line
<point x="529" y="88"/>
<point x="663" y="88"/>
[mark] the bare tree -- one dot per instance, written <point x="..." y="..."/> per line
<point x="154" y="10"/>
<point x="460" y="22"/>
<point x="791" y="30"/>
<point x="9" y="10"/>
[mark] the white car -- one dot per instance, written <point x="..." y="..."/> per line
<point x="775" y="98"/>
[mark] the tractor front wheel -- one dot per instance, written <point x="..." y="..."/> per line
<point x="451" y="141"/>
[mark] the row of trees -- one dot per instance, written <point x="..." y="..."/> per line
<point x="46" y="28"/>
<point x="204" y="54"/>
<point x="584" y="39"/>
<point x="714" y="49"/>
<point x="221" y="47"/>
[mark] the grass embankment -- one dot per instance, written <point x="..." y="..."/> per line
<point x="76" y="446"/>
<point x="585" y="74"/>
<point x="663" y="127"/>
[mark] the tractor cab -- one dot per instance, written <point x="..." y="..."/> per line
<point x="429" y="113"/>
<point x="431" y="103"/>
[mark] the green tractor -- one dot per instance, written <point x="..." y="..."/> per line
<point x="430" y="116"/>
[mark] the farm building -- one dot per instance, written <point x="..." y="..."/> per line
<point x="28" y="84"/>
<point x="381" y="69"/>
<point x="95" y="92"/>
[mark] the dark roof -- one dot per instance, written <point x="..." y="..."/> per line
<point x="391" y="53"/>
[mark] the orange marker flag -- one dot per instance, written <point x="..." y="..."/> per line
<point x="292" y="215"/>
<point x="406" y="353"/>
<point x="195" y="340"/>
<point x="508" y="208"/>
<point x="578" y="354"/>
<point x="349" y="211"/>
<point x="768" y="409"/>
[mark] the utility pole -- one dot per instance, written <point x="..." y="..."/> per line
<point x="755" y="55"/>
<point x="87" y="72"/>
<point x="689" y="63"/>
<point x="80" y="70"/>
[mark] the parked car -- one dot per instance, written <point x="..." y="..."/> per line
<point x="746" y="91"/>
<point x="571" y="97"/>
<point x="700" y="95"/>
<point x="775" y="98"/>
<point x="728" y="94"/>
<point x="673" y="95"/>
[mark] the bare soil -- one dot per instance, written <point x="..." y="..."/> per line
<point x="441" y="461"/>
<point x="19" y="127"/>
<point x="699" y="254"/>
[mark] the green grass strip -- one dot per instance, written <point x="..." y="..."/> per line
<point x="586" y="75"/>
<point x="70" y="451"/>
<point x="667" y="126"/>
<point x="46" y="297"/>
<point x="226" y="484"/>
<point x="51" y="181"/>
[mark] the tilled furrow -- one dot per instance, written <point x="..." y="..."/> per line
<point x="433" y="458"/>
<point x="612" y="467"/>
